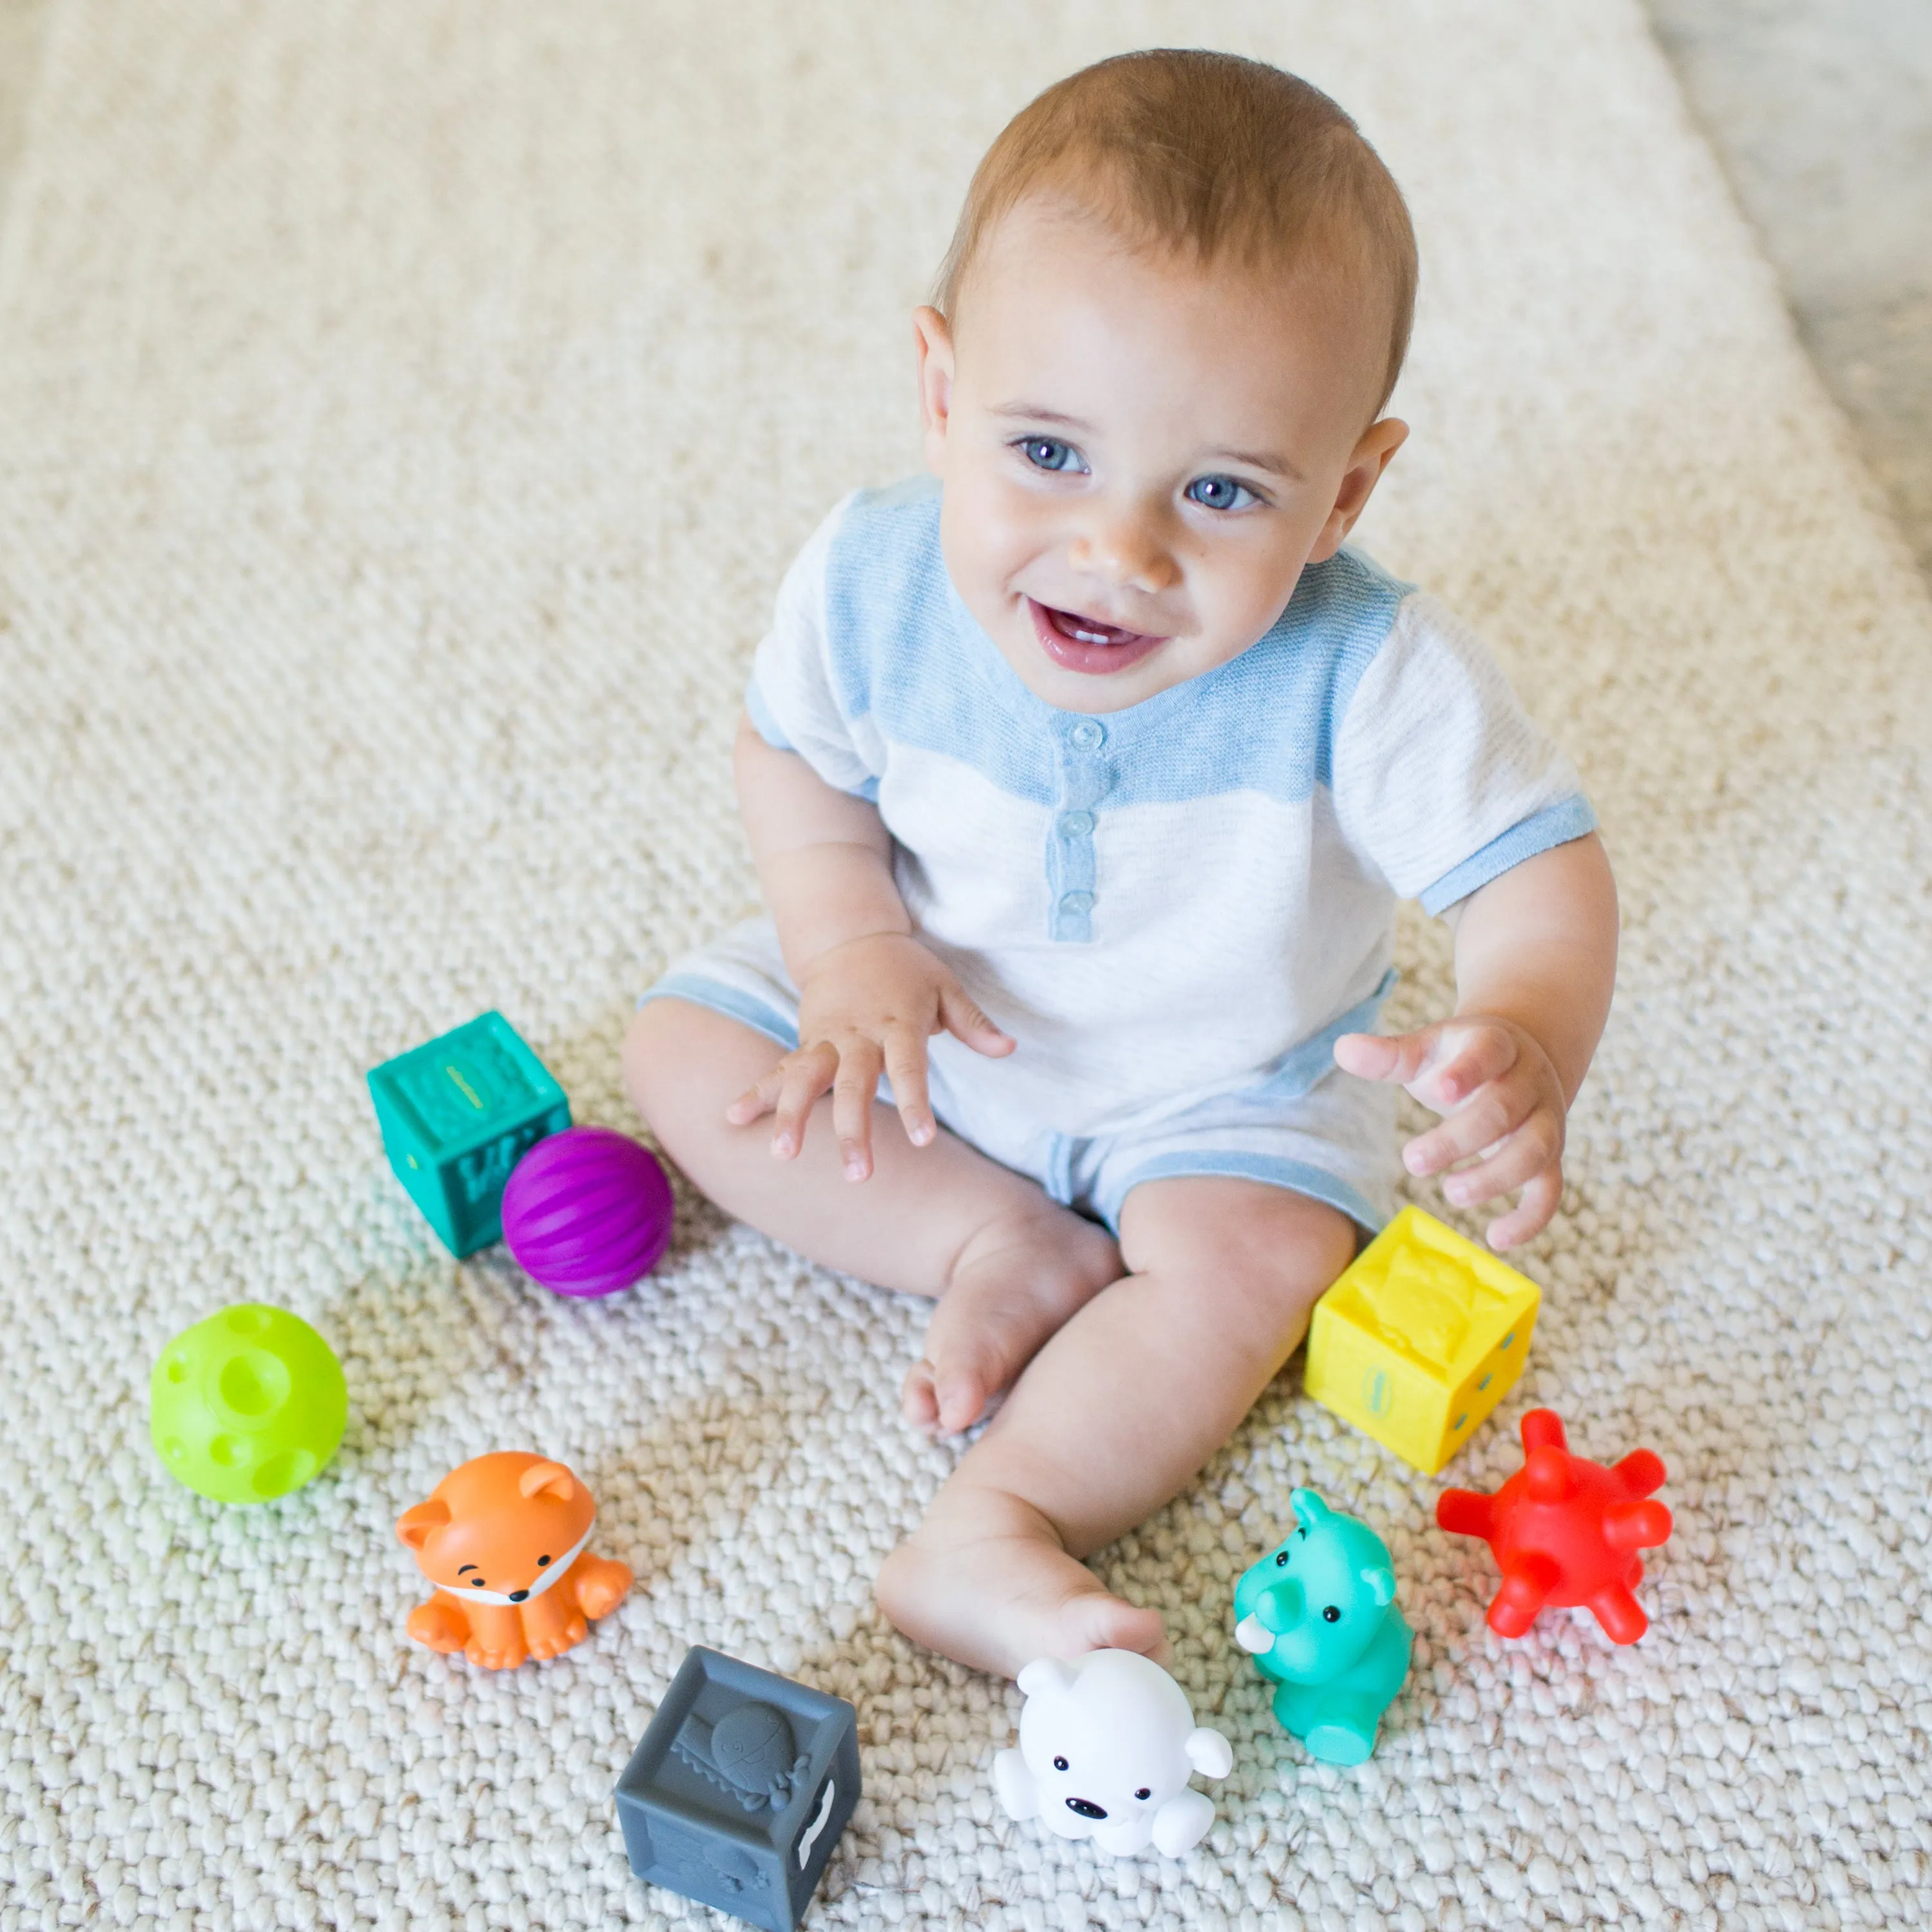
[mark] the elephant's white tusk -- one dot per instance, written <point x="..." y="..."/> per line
<point x="1251" y="1633"/>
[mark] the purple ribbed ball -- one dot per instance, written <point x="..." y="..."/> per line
<point x="587" y="1211"/>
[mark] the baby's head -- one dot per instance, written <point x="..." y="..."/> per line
<point x="1152" y="377"/>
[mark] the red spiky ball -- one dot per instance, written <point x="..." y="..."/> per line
<point x="1565" y="1531"/>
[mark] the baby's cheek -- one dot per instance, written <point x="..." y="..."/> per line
<point x="1238" y="590"/>
<point x="987" y="540"/>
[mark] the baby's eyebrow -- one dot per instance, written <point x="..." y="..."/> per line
<point x="1031" y="413"/>
<point x="1259" y="459"/>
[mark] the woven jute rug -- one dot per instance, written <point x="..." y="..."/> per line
<point x="407" y="408"/>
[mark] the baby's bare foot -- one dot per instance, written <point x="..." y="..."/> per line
<point x="984" y="1580"/>
<point x="1014" y="1283"/>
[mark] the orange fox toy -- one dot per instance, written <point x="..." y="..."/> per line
<point x="503" y="1538"/>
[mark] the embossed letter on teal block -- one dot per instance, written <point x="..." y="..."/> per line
<point x="457" y="1115"/>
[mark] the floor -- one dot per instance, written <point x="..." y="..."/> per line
<point x="20" y="25"/>
<point x="1821" y="111"/>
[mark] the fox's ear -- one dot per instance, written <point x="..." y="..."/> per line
<point x="547" y="1478"/>
<point x="414" y="1525"/>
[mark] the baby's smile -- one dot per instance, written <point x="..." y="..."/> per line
<point x="1086" y="644"/>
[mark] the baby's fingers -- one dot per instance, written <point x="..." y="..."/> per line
<point x="801" y="1077"/>
<point x="905" y="1068"/>
<point x="757" y="1102"/>
<point x="852" y="1095"/>
<point x="1534" y="1149"/>
<point x="1374" y="1056"/>
<point x="1466" y="1057"/>
<point x="1531" y="1215"/>
<point x="1478" y="1125"/>
<point x="1441" y="1065"/>
<point x="963" y="1020"/>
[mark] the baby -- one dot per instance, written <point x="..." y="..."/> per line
<point x="1082" y="784"/>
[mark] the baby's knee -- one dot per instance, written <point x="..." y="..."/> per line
<point x="1247" y="1244"/>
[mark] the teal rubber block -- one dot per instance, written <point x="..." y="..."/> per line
<point x="457" y="1115"/>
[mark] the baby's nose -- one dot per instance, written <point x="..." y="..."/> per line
<point x="1127" y="551"/>
<point x="1085" y="1807"/>
<point x="517" y="1596"/>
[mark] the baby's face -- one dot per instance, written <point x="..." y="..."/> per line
<point x="1140" y="454"/>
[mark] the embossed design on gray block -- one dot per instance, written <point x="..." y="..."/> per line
<point x="738" y="1793"/>
<point x="750" y="1752"/>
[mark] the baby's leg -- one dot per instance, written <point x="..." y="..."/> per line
<point x="1008" y="1265"/>
<point x="1125" y="1403"/>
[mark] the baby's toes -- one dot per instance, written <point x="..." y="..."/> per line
<point x="1100" y="1622"/>
<point x="918" y="1402"/>
<point x="960" y="1390"/>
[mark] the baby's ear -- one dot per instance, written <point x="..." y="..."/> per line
<point x="547" y="1479"/>
<point x="1045" y="1673"/>
<point x="1381" y="1580"/>
<point x="414" y="1525"/>
<point x="932" y="336"/>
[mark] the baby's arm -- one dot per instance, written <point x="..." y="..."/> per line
<point x="1536" y="956"/>
<point x="870" y="995"/>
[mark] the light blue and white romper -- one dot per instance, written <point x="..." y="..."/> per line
<point x="1175" y="909"/>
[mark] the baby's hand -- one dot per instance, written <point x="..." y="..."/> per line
<point x="869" y="1005"/>
<point x="1502" y="1099"/>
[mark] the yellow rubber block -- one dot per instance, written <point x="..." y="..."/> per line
<point x="1420" y="1338"/>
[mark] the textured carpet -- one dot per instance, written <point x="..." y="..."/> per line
<point x="406" y="408"/>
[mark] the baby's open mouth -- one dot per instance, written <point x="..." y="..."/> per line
<point x="1088" y="630"/>
<point x="1084" y="644"/>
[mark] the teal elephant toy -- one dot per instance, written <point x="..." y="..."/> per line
<point x="1319" y="1613"/>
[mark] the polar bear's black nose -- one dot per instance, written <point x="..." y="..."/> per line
<point x="517" y="1596"/>
<point x="1085" y="1807"/>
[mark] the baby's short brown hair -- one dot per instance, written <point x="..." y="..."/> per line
<point x="1211" y="153"/>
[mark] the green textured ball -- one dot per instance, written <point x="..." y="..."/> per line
<point x="248" y="1405"/>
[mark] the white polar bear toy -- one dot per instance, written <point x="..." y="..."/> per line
<point x="1107" y="1743"/>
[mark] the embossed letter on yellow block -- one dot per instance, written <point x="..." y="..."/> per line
<point x="1419" y="1339"/>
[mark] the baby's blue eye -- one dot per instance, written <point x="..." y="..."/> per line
<point x="1220" y="492"/>
<point x="1048" y="452"/>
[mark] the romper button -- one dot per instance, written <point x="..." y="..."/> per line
<point x="1088" y="735"/>
<point x="1077" y="824"/>
<point x="1076" y="902"/>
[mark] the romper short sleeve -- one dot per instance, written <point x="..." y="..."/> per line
<point x="793" y="696"/>
<point x="1442" y="782"/>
